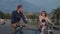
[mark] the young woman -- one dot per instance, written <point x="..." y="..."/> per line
<point x="43" y="22"/>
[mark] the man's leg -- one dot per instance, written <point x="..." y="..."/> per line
<point x="18" y="24"/>
<point x="13" y="28"/>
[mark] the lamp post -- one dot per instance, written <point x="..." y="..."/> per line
<point x="17" y="2"/>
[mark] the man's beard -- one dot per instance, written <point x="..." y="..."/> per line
<point x="20" y="11"/>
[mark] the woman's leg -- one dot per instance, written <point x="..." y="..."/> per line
<point x="46" y="30"/>
<point x="42" y="30"/>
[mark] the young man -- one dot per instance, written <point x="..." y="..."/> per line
<point x="15" y="18"/>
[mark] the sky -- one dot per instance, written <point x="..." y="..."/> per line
<point x="29" y="5"/>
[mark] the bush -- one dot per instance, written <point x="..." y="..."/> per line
<point x="33" y="23"/>
<point x="57" y="23"/>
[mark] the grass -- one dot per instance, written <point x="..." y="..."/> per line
<point x="33" y="23"/>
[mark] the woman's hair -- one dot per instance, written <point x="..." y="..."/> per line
<point x="45" y="13"/>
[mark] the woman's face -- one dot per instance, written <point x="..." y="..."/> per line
<point x="43" y="13"/>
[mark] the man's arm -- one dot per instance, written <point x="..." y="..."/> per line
<point x="24" y="18"/>
<point x="12" y="17"/>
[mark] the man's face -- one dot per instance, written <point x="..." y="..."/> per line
<point x="20" y="9"/>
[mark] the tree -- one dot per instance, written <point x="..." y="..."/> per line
<point x="56" y="14"/>
<point x="32" y="16"/>
<point x="7" y="16"/>
<point x="2" y="15"/>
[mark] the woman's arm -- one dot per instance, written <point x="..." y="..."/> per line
<point x="49" y="21"/>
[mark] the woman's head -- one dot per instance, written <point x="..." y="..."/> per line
<point x="43" y="13"/>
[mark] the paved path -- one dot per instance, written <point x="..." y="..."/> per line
<point x="56" y="32"/>
<point x="6" y="29"/>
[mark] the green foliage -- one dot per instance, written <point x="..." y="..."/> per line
<point x="7" y="16"/>
<point x="4" y="16"/>
<point x="32" y="17"/>
<point x="58" y="24"/>
<point x="56" y="14"/>
<point x="33" y="23"/>
<point x="1" y="15"/>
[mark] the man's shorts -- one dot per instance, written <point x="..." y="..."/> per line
<point x="14" y="28"/>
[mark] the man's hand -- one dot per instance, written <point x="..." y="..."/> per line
<point x="14" y="25"/>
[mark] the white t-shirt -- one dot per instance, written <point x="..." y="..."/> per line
<point x="46" y="20"/>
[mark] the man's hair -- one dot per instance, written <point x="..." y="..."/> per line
<point x="19" y="6"/>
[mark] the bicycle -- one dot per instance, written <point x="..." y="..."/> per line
<point x="21" y="27"/>
<point x="49" y="30"/>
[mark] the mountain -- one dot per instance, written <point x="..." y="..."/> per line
<point x="8" y="6"/>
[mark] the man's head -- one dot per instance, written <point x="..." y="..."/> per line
<point x="19" y="8"/>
